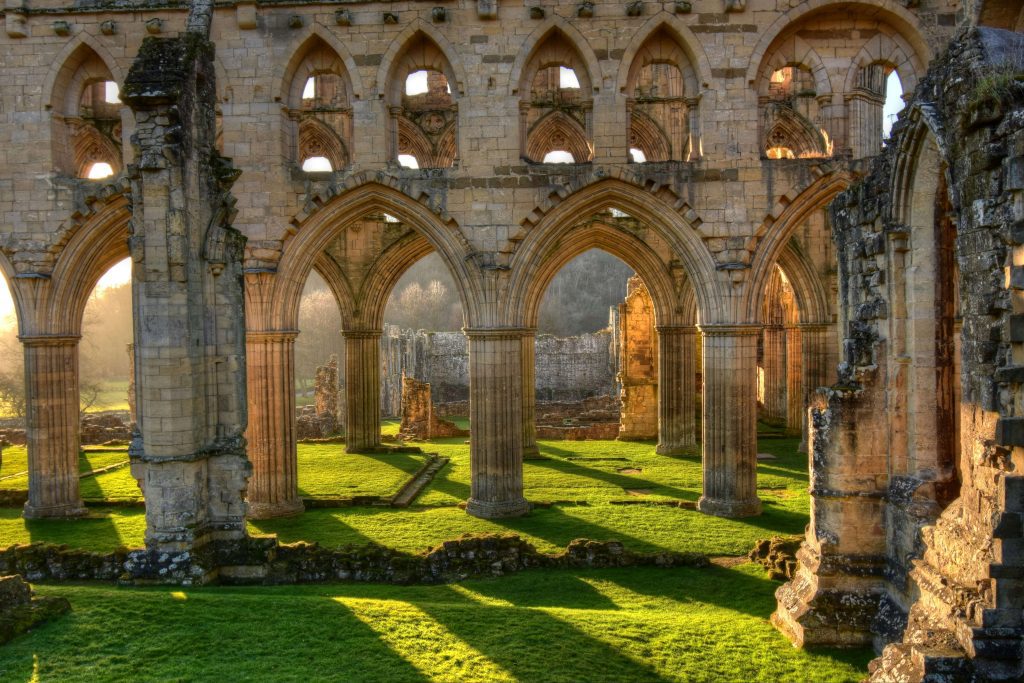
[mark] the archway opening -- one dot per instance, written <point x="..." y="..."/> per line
<point x="106" y="387"/>
<point x="577" y="356"/>
<point x="13" y="456"/>
<point x="894" y="102"/>
<point x="424" y="355"/>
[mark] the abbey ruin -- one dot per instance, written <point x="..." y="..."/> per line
<point x="729" y="151"/>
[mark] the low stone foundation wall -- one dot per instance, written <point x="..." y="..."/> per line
<point x="600" y="430"/>
<point x="262" y="560"/>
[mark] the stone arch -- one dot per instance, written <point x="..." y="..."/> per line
<point x="91" y="251"/>
<point x="893" y="51"/>
<point x="82" y="137"/>
<point x="812" y="299"/>
<point x="889" y="11"/>
<point x="22" y="304"/>
<point x="316" y="230"/>
<point x="646" y="135"/>
<point x="317" y="139"/>
<point x="794" y="52"/>
<point x="386" y="273"/>
<point x="923" y="301"/>
<point x="699" y="69"/>
<point x="307" y="41"/>
<point x="775" y="232"/>
<point x="663" y="123"/>
<point x="569" y="244"/>
<point x="787" y="129"/>
<point x="66" y="63"/>
<point x="650" y="209"/>
<point x="425" y="124"/>
<point x="402" y="50"/>
<point x="558" y="131"/>
<point x="520" y="73"/>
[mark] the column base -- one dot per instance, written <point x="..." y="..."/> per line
<point x="831" y="602"/>
<point x="532" y="453"/>
<point x="719" y="507"/>
<point x="675" y="449"/>
<point x="54" y="511"/>
<point x="288" y="508"/>
<point x="497" y="509"/>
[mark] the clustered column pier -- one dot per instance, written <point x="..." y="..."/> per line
<point x="52" y="426"/>
<point x="496" y="419"/>
<point x="273" y="488"/>
<point x="362" y="390"/>
<point x="730" y="421"/>
<point x="676" y="391"/>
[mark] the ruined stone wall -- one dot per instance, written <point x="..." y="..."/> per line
<point x="638" y="364"/>
<point x="905" y="542"/>
<point x="568" y="368"/>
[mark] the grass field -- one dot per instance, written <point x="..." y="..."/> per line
<point x="637" y="624"/>
<point x="602" y="625"/>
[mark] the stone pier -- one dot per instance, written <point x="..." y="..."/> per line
<point x="676" y="392"/>
<point x="273" y="488"/>
<point x="730" y="421"/>
<point x="496" y="422"/>
<point x="362" y="390"/>
<point x="52" y="424"/>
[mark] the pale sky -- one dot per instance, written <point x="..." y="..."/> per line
<point x="120" y="273"/>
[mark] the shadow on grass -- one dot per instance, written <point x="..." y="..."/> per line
<point x="620" y="480"/>
<point x="330" y="530"/>
<point x="542" y="638"/>
<point x="96" y="530"/>
<point x="444" y="483"/>
<point x="558" y="529"/>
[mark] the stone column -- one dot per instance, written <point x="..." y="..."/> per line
<point x="795" y="417"/>
<point x="676" y="392"/>
<point x="814" y="358"/>
<point x="530" y="450"/>
<point x="496" y="422"/>
<point x="775" y="369"/>
<point x="270" y="372"/>
<point x="52" y="426"/>
<point x="362" y="390"/>
<point x="730" y="421"/>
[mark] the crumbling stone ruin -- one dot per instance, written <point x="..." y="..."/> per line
<point x="20" y="610"/>
<point x="638" y="375"/>
<point x="322" y="419"/>
<point x="419" y="420"/>
<point x="251" y="143"/>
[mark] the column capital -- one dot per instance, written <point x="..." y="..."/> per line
<point x="361" y="334"/>
<point x="741" y="330"/>
<point x="50" y="339"/>
<point x="498" y="332"/>
<point x="270" y="335"/>
<point x="814" y="327"/>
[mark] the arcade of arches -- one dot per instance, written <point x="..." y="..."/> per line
<point x="232" y="150"/>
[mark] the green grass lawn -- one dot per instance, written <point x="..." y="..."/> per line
<point x="113" y="395"/>
<point x="585" y="472"/>
<point x="641" y="624"/>
<point x="602" y="625"/>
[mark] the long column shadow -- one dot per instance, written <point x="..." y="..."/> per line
<point x="619" y="480"/>
<point x="544" y="638"/>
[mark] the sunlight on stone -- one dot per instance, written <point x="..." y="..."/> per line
<point x="421" y="640"/>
